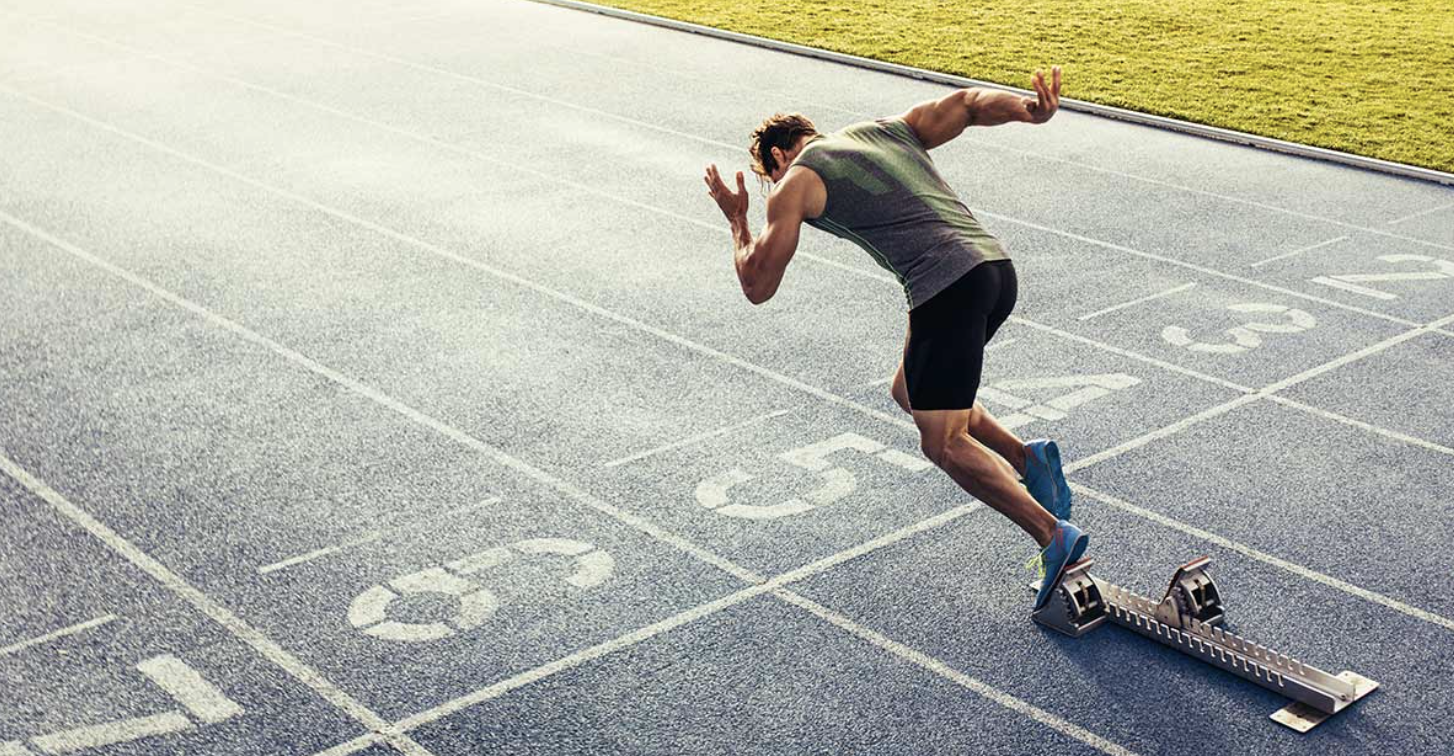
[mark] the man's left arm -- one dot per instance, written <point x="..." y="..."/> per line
<point x="761" y="262"/>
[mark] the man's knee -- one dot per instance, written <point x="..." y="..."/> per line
<point x="957" y="449"/>
<point x="940" y="448"/>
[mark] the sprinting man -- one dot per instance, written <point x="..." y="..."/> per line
<point x="874" y="184"/>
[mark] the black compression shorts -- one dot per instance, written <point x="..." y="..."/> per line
<point x="947" y="335"/>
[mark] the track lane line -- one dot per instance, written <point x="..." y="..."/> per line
<point x="213" y="610"/>
<point x="1266" y="558"/>
<point x="925" y="661"/>
<point x="1140" y="300"/>
<point x="632" y="322"/>
<point x="1299" y="251"/>
<point x="716" y="227"/>
<point x="567" y="489"/>
<point x="700" y="437"/>
<point x="627" y="119"/>
<point x="79" y="627"/>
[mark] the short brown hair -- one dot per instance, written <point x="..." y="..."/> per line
<point x="780" y="130"/>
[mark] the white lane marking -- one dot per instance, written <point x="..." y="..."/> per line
<point x="734" y="148"/>
<point x="317" y="553"/>
<point x="215" y="611"/>
<point x="1206" y="193"/>
<point x="1264" y="557"/>
<point x="15" y="748"/>
<point x="646" y="633"/>
<point x="1367" y="351"/>
<point x="447" y="146"/>
<point x="923" y="660"/>
<point x="111" y="733"/>
<point x="1265" y="392"/>
<point x="403" y="62"/>
<point x="580" y="657"/>
<point x="1443" y="270"/>
<point x="61" y="633"/>
<point x="1296" y="252"/>
<point x="1160" y="433"/>
<point x="1199" y="268"/>
<point x="1134" y="302"/>
<point x="716" y="227"/>
<point x="695" y="439"/>
<point x="570" y="490"/>
<point x="369" y="537"/>
<point x="1421" y="213"/>
<point x="1076" y="390"/>
<point x="1344" y="419"/>
<point x="200" y="698"/>
<point x="456" y="257"/>
<point x="1163" y="364"/>
<point x="412" y="241"/>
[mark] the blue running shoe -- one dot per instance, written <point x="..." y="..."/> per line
<point x="1044" y="478"/>
<point x="1066" y="547"/>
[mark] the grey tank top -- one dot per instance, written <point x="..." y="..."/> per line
<point x="885" y="195"/>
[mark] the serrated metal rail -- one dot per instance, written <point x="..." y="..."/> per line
<point x="1187" y="619"/>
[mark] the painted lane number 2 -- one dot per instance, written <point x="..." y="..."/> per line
<point x="1442" y="269"/>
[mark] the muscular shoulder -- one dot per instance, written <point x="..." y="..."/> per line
<point x="801" y="192"/>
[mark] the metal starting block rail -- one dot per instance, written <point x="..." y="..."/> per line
<point x="1187" y="618"/>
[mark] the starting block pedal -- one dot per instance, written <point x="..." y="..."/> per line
<point x="1189" y="618"/>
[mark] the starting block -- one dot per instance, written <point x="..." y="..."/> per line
<point x="1189" y="618"/>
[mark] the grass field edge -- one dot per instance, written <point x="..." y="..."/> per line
<point x="1295" y="149"/>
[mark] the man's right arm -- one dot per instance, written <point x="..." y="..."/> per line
<point x="938" y="121"/>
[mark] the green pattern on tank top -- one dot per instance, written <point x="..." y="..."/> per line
<point x="886" y="196"/>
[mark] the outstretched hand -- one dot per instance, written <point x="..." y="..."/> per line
<point x="733" y="204"/>
<point x="1047" y="100"/>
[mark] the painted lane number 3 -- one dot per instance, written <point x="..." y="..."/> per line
<point x="1246" y="336"/>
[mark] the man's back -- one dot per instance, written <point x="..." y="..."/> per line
<point x="885" y="195"/>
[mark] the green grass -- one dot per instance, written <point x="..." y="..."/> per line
<point x="1370" y="77"/>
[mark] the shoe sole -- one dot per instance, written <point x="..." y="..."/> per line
<point x="1058" y="487"/>
<point x="1057" y="480"/>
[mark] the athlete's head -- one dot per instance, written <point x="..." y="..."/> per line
<point x="776" y="143"/>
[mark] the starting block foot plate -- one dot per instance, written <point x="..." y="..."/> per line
<point x="1301" y="717"/>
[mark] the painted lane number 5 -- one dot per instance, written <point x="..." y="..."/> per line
<point x="713" y="493"/>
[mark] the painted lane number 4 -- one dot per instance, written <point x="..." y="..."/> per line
<point x="713" y="493"/>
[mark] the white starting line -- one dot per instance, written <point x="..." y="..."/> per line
<point x="160" y="721"/>
<point x="696" y="439"/>
<point x="366" y="538"/>
<point x="61" y="633"/>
